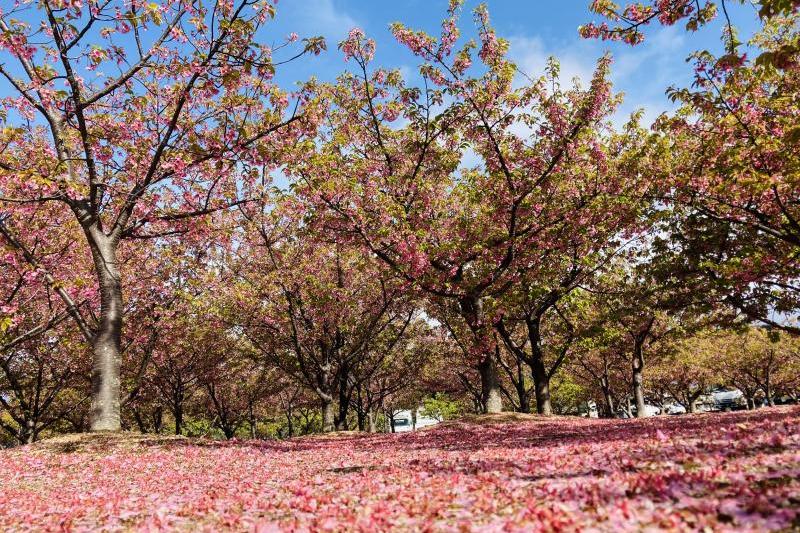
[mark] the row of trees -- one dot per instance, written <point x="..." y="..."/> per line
<point x="390" y="268"/>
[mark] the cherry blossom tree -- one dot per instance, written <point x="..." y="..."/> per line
<point x="733" y="179"/>
<point x="753" y="360"/>
<point x="315" y="308"/>
<point x="456" y="233"/>
<point x="685" y="372"/>
<point x="629" y="21"/>
<point x="134" y="118"/>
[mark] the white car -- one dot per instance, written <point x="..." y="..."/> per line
<point x="405" y="421"/>
<point x="674" y="409"/>
<point x="728" y="399"/>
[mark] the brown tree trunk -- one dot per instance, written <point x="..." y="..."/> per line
<point x="608" y="399"/>
<point x="541" y="385"/>
<point x="105" y="407"/>
<point x="328" y="424"/>
<point x="523" y="394"/>
<point x="524" y="398"/>
<point x="768" y="391"/>
<point x="31" y="429"/>
<point x="491" y="395"/>
<point x="638" y="380"/>
<point x="178" y="418"/>
<point x="251" y="419"/>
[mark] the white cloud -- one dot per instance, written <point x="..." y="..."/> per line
<point x="642" y="73"/>
<point x="318" y="17"/>
<point x="531" y="56"/>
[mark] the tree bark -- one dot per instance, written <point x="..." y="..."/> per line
<point x="638" y="379"/>
<point x="768" y="391"/>
<point x="105" y="407"/>
<point x="371" y="421"/>
<point x="524" y="396"/>
<point x="471" y="309"/>
<point x="523" y="393"/>
<point x="608" y="399"/>
<point x="328" y="424"/>
<point x="491" y="395"/>
<point x="178" y="418"/>
<point x="541" y="386"/>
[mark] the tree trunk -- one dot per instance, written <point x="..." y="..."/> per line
<point x="158" y="419"/>
<point x="251" y="419"/>
<point x="137" y="416"/>
<point x="524" y="396"/>
<point x="105" y="408"/>
<point x="628" y="409"/>
<point x="638" y="387"/>
<point x="768" y="391"/>
<point x="31" y="432"/>
<point x="289" y="424"/>
<point x="178" y="418"/>
<point x="541" y="386"/>
<point x="371" y="421"/>
<point x="491" y="395"/>
<point x="345" y="395"/>
<point x="328" y="424"/>
<point x="608" y="399"/>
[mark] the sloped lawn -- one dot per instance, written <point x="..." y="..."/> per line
<point x="734" y="471"/>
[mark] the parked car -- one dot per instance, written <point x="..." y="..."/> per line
<point x="405" y="420"/>
<point x="728" y="399"/>
<point x="649" y="410"/>
<point x="785" y="400"/>
<point x="674" y="409"/>
<point x="402" y="422"/>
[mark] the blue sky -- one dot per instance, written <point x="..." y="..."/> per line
<point x="536" y="29"/>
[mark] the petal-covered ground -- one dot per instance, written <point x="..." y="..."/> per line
<point x="734" y="471"/>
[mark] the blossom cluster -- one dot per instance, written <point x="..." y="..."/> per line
<point x="724" y="472"/>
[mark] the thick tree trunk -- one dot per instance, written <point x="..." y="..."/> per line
<point x="541" y="386"/>
<point x="340" y="420"/>
<point x="328" y="423"/>
<point x="137" y="416"/>
<point x="178" y="418"/>
<point x="158" y="419"/>
<point x="31" y="432"/>
<point x="105" y="408"/>
<point x="638" y="380"/>
<point x="523" y="393"/>
<point x="608" y="399"/>
<point x="524" y="396"/>
<point x="371" y="421"/>
<point x="491" y="395"/>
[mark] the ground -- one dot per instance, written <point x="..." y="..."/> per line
<point x="731" y="471"/>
